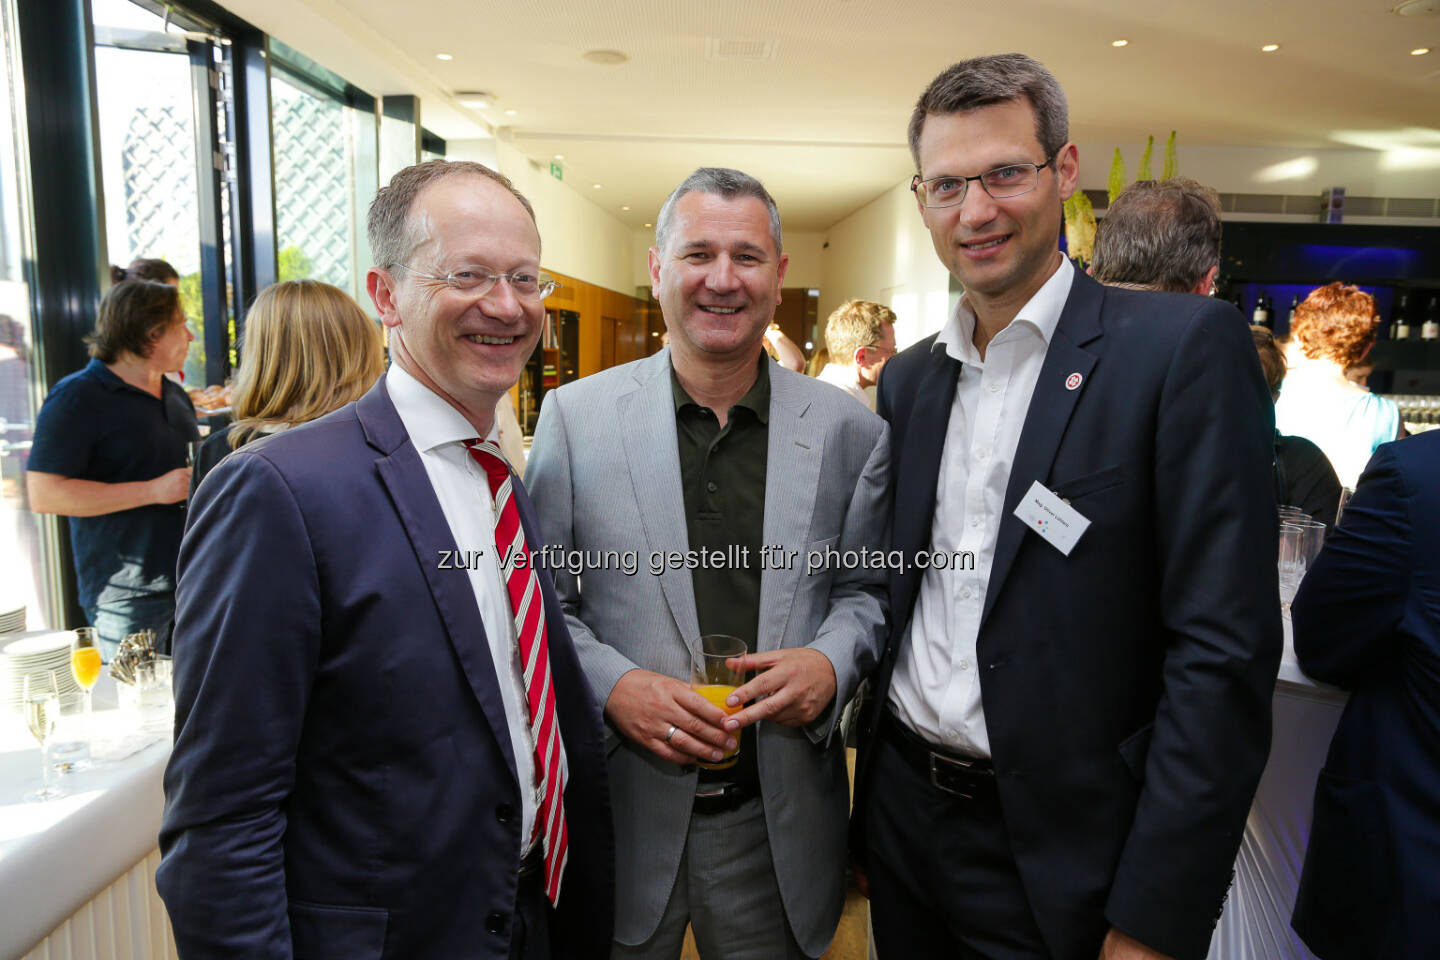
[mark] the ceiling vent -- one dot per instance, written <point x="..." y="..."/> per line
<point x="730" y="49"/>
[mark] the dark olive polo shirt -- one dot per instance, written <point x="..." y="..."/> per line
<point x="722" y="473"/>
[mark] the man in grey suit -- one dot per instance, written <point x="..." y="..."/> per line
<point x="707" y="490"/>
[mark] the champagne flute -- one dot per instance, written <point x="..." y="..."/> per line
<point x="85" y="662"/>
<point x="42" y="706"/>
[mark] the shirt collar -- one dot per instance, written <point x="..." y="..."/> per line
<point x="756" y="399"/>
<point x="429" y="420"/>
<point x="1041" y="313"/>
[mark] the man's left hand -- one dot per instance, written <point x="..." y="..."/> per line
<point x="1119" y="945"/>
<point x="793" y="688"/>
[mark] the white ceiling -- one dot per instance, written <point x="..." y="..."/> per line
<point x="820" y="115"/>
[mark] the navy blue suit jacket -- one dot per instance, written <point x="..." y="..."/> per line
<point x="342" y="783"/>
<point x="1367" y="617"/>
<point x="1126" y="687"/>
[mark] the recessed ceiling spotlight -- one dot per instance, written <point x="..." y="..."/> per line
<point x="623" y="207"/>
<point x="649" y="224"/>
<point x="606" y="58"/>
<point x="1419" y="51"/>
<point x="1270" y="48"/>
<point x="594" y="186"/>
<point x="511" y="112"/>
<point x="558" y="156"/>
<point x="1119" y="43"/>
<point x="443" y="56"/>
<point x="474" y="99"/>
<point x="1417" y="8"/>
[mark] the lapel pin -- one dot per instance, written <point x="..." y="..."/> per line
<point x="1072" y="382"/>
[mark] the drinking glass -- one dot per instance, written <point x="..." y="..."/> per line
<point x="41" y="697"/>
<point x="85" y="661"/>
<point x="715" y="679"/>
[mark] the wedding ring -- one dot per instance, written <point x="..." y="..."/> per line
<point x="670" y="733"/>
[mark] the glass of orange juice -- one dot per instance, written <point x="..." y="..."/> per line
<point x="85" y="661"/>
<point x="715" y="679"/>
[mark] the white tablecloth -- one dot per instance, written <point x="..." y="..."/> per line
<point x="1256" y="922"/>
<point x="55" y="856"/>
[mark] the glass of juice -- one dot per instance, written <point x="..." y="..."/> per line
<point x="85" y="661"/>
<point x="714" y="678"/>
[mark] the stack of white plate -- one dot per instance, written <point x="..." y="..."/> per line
<point x="12" y="617"/>
<point x="36" y="654"/>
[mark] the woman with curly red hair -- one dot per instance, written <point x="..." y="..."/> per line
<point x="1334" y="328"/>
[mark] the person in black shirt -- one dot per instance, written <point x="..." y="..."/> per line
<point x="110" y="452"/>
<point x="1303" y="475"/>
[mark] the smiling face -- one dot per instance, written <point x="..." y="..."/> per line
<point x="718" y="279"/>
<point x="1001" y="250"/>
<point x="467" y="349"/>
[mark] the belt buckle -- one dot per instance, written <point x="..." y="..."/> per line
<point x="949" y="774"/>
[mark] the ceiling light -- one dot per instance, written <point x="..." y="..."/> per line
<point x="1270" y="48"/>
<point x="1419" y="51"/>
<point x="594" y="186"/>
<point x="511" y="112"/>
<point x="559" y="156"/>
<point x="443" y="56"/>
<point x="649" y="224"/>
<point x="1417" y="8"/>
<point x="624" y="208"/>
<point x="1119" y="43"/>
<point x="607" y="58"/>
<point x="474" y="99"/>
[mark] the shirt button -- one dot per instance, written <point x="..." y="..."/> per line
<point x="965" y="593"/>
<point x="495" y="923"/>
<point x="974" y="521"/>
<point x="981" y="454"/>
<point x="711" y="486"/>
<point x="964" y="664"/>
<point x="994" y="388"/>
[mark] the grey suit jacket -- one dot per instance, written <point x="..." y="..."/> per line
<point x="604" y="473"/>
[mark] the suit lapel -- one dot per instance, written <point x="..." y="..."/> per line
<point x="409" y="487"/>
<point x="652" y="454"/>
<point x="793" y="453"/>
<point x="1049" y="412"/>
<point x="917" y="463"/>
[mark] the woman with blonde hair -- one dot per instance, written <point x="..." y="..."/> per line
<point x="1331" y="330"/>
<point x="309" y="349"/>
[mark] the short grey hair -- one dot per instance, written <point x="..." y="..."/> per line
<point x="722" y="182"/>
<point x="987" y="81"/>
<point x="391" y="228"/>
<point x="1159" y="234"/>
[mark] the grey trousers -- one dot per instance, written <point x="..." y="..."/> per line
<point x="726" y="892"/>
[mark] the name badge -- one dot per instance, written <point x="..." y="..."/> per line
<point x="1055" y="520"/>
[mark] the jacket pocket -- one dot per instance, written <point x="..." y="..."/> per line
<point x="1134" y="749"/>
<point x="1089" y="483"/>
<point x="321" y="931"/>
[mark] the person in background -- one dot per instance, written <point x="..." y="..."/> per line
<point x="1330" y="331"/>
<point x="1068" y="727"/>
<point x="817" y="361"/>
<point x="1160" y="235"/>
<point x="146" y="268"/>
<point x="1367" y="618"/>
<point x="783" y="350"/>
<point x="1303" y="475"/>
<point x="384" y="743"/>
<point x="308" y="349"/>
<point x="708" y="447"/>
<point x="860" y="336"/>
<point x="111" y="446"/>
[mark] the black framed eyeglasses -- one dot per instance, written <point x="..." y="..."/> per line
<point x="1002" y="183"/>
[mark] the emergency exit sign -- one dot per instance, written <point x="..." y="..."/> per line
<point x="555" y="170"/>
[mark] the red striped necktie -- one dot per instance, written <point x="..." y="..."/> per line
<point x="523" y="585"/>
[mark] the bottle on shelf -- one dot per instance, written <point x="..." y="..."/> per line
<point x="1431" y="328"/>
<point x="1290" y="316"/>
<point x="1261" y="316"/>
<point x="1400" y="320"/>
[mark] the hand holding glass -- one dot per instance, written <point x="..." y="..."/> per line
<point x="714" y="679"/>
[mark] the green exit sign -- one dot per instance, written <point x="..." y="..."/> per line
<point x="555" y="170"/>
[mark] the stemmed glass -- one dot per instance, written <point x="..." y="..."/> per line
<point x="85" y="662"/>
<point x="42" y="707"/>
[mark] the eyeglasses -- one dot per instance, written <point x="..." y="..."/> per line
<point x="479" y="281"/>
<point x="1011" y="180"/>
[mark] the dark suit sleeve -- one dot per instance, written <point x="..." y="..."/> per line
<point x="1215" y="536"/>
<point x="247" y="640"/>
<point x="1347" y="607"/>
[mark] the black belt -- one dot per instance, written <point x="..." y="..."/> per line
<point x="970" y="778"/>
<point x="722" y="797"/>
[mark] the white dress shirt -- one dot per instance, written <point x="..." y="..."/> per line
<point x="936" y="686"/>
<point x="847" y="378"/>
<point x="439" y="432"/>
